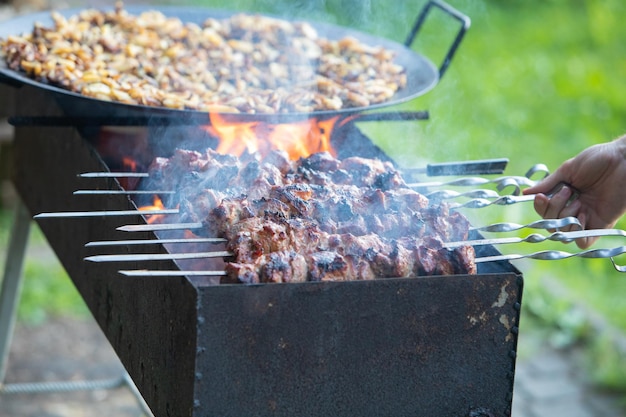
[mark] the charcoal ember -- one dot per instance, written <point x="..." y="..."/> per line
<point x="250" y="172"/>
<point x="315" y="219"/>
<point x="313" y="177"/>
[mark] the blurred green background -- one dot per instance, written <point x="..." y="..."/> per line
<point x="535" y="81"/>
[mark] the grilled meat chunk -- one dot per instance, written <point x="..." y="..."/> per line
<point x="289" y="221"/>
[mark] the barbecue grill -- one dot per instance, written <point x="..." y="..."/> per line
<point x="441" y="346"/>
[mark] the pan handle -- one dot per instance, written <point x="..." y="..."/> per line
<point x="465" y="21"/>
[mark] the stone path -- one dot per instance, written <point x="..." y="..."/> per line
<point x="552" y="384"/>
<point x="65" y="350"/>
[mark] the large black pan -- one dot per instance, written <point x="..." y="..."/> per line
<point x="422" y="75"/>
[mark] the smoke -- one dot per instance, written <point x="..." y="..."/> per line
<point x="409" y="142"/>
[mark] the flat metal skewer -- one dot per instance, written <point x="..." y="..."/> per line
<point x="478" y="167"/>
<point x="155" y="241"/>
<point x="115" y="192"/>
<point x="138" y="257"/>
<point x="104" y="213"/>
<point x="160" y="227"/>
<point x="161" y="273"/>
<point x="114" y="175"/>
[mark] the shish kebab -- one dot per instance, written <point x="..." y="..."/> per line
<point x="501" y="182"/>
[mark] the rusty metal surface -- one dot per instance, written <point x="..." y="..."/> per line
<point x="437" y="346"/>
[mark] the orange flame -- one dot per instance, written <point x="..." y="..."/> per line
<point x="298" y="139"/>
<point x="129" y="163"/>
<point x="157" y="204"/>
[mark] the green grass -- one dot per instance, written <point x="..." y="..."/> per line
<point x="536" y="82"/>
<point x="46" y="288"/>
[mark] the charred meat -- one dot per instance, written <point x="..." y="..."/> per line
<point x="314" y="219"/>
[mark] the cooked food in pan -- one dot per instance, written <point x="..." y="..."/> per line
<point x="242" y="64"/>
<point x="315" y="219"/>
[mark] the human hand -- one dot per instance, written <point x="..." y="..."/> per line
<point x="593" y="188"/>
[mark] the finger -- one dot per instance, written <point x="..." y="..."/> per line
<point x="541" y="204"/>
<point x="571" y="210"/>
<point x="590" y="221"/>
<point x="557" y="203"/>
<point x="585" y="242"/>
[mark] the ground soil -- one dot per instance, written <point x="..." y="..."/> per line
<point x="67" y="349"/>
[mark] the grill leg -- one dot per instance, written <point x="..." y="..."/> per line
<point x="12" y="282"/>
<point x="10" y="294"/>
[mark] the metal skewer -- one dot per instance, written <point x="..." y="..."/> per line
<point x="539" y="224"/>
<point x="501" y="183"/>
<point x="155" y="241"/>
<point x="161" y="273"/>
<point x="537" y="238"/>
<point x="553" y="255"/>
<point x="104" y="213"/>
<point x="550" y="255"/>
<point x="157" y="256"/>
<point x="114" y="175"/>
<point x="449" y="194"/>
<point x="159" y="227"/>
<point x="478" y="167"/>
<point x="505" y="200"/>
<point x="115" y="192"/>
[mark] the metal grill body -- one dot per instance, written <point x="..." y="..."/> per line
<point x="438" y="346"/>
